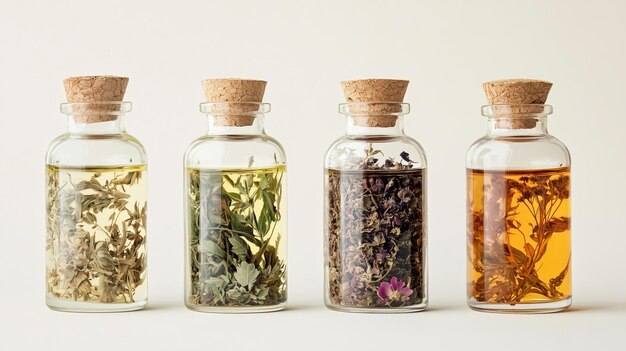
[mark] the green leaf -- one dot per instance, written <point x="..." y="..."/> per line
<point x="234" y="196"/>
<point x="239" y="246"/>
<point x="241" y="189"/>
<point x="216" y="285"/>
<point x="250" y="237"/>
<point x="250" y="161"/>
<point x="228" y="180"/>
<point x="262" y="292"/>
<point x="239" y="223"/>
<point x="271" y="255"/>
<point x="263" y="182"/>
<point x="263" y="225"/>
<point x="211" y="248"/>
<point x="238" y="294"/>
<point x="246" y="275"/>
<point x="268" y="204"/>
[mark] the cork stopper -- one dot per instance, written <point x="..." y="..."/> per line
<point x="522" y="92"/>
<point x="240" y="98"/>
<point x="374" y="102"/>
<point x="93" y="91"/>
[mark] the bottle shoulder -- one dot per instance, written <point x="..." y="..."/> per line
<point x="95" y="150"/>
<point x="395" y="147"/>
<point x="527" y="152"/>
<point x="221" y="151"/>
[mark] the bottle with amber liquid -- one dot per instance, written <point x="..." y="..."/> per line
<point x="518" y="205"/>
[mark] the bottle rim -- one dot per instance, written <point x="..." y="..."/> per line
<point x="235" y="108"/>
<point x="114" y="108"/>
<point x="516" y="110"/>
<point x="374" y="108"/>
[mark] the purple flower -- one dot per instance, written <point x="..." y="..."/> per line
<point x="393" y="290"/>
<point x="397" y="221"/>
<point x="382" y="255"/>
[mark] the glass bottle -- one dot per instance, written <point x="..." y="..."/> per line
<point x="375" y="205"/>
<point x="235" y="205"/>
<point x="96" y="203"/>
<point x="518" y="205"/>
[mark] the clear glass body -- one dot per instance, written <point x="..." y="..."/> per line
<point x="96" y="213"/>
<point x="236" y="217"/>
<point x="375" y="218"/>
<point x="518" y="214"/>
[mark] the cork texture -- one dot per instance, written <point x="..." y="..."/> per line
<point x="95" y="89"/>
<point x="517" y="92"/>
<point x="241" y="98"/>
<point x="374" y="101"/>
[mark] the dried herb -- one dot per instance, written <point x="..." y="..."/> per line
<point x="235" y="224"/>
<point x="375" y="232"/>
<point x="519" y="236"/>
<point x="96" y="234"/>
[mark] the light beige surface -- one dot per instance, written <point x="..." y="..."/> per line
<point x="447" y="49"/>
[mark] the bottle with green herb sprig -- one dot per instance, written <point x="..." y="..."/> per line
<point x="96" y="204"/>
<point x="375" y="205"/>
<point x="235" y="205"/>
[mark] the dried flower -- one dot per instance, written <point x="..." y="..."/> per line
<point x="375" y="230"/>
<point x="394" y="290"/>
<point x="96" y="234"/>
<point x="510" y="234"/>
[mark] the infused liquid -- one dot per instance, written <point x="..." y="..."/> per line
<point x="518" y="228"/>
<point x="236" y="225"/>
<point x="96" y="234"/>
<point x="375" y="231"/>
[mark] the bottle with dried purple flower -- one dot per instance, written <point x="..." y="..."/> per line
<point x="375" y="205"/>
<point x="518" y="205"/>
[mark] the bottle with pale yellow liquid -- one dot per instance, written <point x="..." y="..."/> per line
<point x="96" y="198"/>
<point x="235" y="205"/>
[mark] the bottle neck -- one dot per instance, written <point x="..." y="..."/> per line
<point x="361" y="125"/>
<point x="216" y="126"/>
<point x="110" y="127"/>
<point x="508" y="126"/>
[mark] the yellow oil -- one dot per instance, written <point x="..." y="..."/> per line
<point x="96" y="233"/>
<point x="518" y="227"/>
<point x="212" y="197"/>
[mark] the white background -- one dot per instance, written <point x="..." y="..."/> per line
<point x="303" y="49"/>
